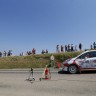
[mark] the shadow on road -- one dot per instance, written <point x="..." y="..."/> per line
<point x="84" y="72"/>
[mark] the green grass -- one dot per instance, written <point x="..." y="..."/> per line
<point x="34" y="61"/>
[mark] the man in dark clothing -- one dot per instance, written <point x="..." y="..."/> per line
<point x="94" y="44"/>
<point x="80" y="46"/>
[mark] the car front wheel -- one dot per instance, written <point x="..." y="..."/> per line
<point x="72" y="69"/>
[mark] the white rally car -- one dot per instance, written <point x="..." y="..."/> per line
<point x="83" y="62"/>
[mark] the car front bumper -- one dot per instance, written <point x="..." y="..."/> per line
<point x="65" y="68"/>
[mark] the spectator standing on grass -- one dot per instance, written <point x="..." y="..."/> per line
<point x="57" y="49"/>
<point x="0" y="54"/>
<point x="72" y="49"/>
<point x="62" y="48"/>
<point x="9" y="53"/>
<point x="80" y="46"/>
<point x="66" y="48"/>
<point x="22" y="54"/>
<point x="33" y="51"/>
<point x="43" y="52"/>
<point x="94" y="45"/>
<point x="46" y="51"/>
<point x="69" y="48"/>
<point x="76" y="48"/>
<point x="4" y="53"/>
<point x="27" y="53"/>
<point x="91" y="47"/>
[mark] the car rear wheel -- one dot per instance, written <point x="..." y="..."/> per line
<point x="72" y="69"/>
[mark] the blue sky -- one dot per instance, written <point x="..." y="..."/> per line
<point x="42" y="24"/>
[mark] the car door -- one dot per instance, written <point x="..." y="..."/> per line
<point x="84" y="60"/>
<point x="92" y="59"/>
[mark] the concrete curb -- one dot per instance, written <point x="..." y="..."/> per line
<point x="27" y="70"/>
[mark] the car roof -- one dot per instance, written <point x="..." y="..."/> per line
<point x="88" y="51"/>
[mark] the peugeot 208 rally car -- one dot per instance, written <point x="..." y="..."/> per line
<point x="83" y="62"/>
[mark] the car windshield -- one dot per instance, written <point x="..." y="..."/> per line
<point x="83" y="56"/>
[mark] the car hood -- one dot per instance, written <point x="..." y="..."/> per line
<point x="71" y="60"/>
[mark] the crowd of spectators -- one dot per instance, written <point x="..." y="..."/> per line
<point x="29" y="52"/>
<point x="59" y="49"/>
<point x="5" y="53"/>
<point x="68" y="48"/>
<point x="71" y="47"/>
<point x="44" y="51"/>
<point x="93" y="46"/>
<point x="33" y="52"/>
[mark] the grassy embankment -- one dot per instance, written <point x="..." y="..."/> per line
<point x="34" y="61"/>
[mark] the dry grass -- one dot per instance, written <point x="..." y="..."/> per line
<point x="34" y="61"/>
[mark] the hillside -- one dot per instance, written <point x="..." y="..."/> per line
<point x="34" y="61"/>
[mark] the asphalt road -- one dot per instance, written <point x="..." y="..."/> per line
<point x="13" y="83"/>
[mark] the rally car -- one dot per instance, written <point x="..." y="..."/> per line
<point x="83" y="62"/>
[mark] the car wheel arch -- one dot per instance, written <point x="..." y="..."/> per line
<point x="78" y="69"/>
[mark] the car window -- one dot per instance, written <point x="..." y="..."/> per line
<point x="83" y="56"/>
<point x="88" y="55"/>
<point x="92" y="54"/>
